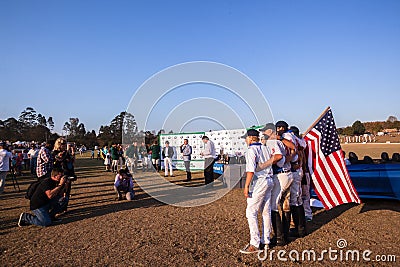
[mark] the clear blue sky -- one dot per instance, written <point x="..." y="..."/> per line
<point x="85" y="59"/>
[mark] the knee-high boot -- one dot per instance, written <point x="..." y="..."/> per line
<point x="286" y="218"/>
<point x="295" y="215"/>
<point x="278" y="228"/>
<point x="302" y="230"/>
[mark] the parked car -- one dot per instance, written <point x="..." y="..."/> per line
<point x="380" y="181"/>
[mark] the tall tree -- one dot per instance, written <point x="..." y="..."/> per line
<point x="358" y="127"/>
<point x="129" y="128"/>
<point x="41" y="120"/>
<point x="11" y="129"/>
<point x="72" y="127"/>
<point x="124" y="124"/>
<point x="50" y="122"/>
<point x="392" y="119"/>
<point x="28" y="117"/>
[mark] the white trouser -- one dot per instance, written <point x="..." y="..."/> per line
<point x="282" y="183"/>
<point x="168" y="164"/>
<point x="295" y="188"/>
<point x="114" y="164"/>
<point x="306" y="196"/>
<point x="3" y="175"/>
<point x="260" y="199"/>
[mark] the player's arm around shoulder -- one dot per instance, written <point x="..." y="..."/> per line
<point x="250" y="169"/>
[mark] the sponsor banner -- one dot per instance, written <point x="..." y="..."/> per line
<point x="218" y="168"/>
<point x="194" y="165"/>
<point x="229" y="141"/>
<point x="176" y="140"/>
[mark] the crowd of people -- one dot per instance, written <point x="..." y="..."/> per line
<point x="277" y="177"/>
<point x="49" y="195"/>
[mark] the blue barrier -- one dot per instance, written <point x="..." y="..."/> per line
<point x="380" y="181"/>
<point x="218" y="168"/>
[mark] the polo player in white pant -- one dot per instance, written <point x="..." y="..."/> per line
<point x="257" y="190"/>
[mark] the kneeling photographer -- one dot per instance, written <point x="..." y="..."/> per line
<point x="124" y="184"/>
<point x="45" y="200"/>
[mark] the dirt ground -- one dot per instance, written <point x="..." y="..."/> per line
<point x="99" y="231"/>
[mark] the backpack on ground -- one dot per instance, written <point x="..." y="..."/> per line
<point x="31" y="189"/>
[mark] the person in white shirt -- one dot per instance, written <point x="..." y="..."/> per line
<point x="168" y="153"/>
<point x="257" y="191"/>
<point x="296" y="200"/>
<point x="209" y="155"/>
<point x="33" y="154"/>
<point x="282" y="180"/>
<point x="186" y="151"/>
<point x="5" y="157"/>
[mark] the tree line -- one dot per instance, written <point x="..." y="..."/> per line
<point x="358" y="127"/>
<point x="33" y="126"/>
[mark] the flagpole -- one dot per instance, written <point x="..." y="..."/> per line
<point x="316" y="121"/>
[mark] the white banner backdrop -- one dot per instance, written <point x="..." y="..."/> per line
<point x="229" y="141"/>
<point x="176" y="140"/>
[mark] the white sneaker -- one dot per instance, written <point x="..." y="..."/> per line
<point x="20" y="221"/>
<point x="249" y="249"/>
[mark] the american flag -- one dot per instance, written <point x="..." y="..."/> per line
<point x="328" y="170"/>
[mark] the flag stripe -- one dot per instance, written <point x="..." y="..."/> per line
<point x="320" y="188"/>
<point x="340" y="183"/>
<point x="344" y="175"/>
<point x="328" y="171"/>
<point x="352" y="190"/>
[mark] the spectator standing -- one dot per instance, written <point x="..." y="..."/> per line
<point x="18" y="163"/>
<point x="98" y="154"/>
<point x="143" y="156"/>
<point x="64" y="159"/>
<point x="107" y="158"/>
<point x="155" y="155"/>
<point x="121" y="159"/>
<point x="132" y="154"/>
<point x="209" y="155"/>
<point x="44" y="161"/>
<point x="186" y="150"/>
<point x="33" y="154"/>
<point x="114" y="157"/>
<point x="25" y="159"/>
<point x="168" y="153"/>
<point x="5" y="157"/>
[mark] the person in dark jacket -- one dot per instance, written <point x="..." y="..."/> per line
<point x="168" y="153"/>
<point x="44" y="202"/>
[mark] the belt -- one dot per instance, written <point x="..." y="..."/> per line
<point x="282" y="171"/>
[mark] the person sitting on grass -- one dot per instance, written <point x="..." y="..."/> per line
<point x="124" y="185"/>
<point x="44" y="202"/>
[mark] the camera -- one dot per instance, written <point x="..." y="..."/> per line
<point x="68" y="178"/>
